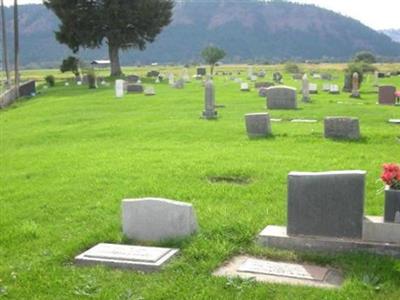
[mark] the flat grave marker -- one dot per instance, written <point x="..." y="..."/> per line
<point x="127" y="256"/>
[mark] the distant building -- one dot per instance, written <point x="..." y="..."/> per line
<point x="100" y="63"/>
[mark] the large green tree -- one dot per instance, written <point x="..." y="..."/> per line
<point x="121" y="24"/>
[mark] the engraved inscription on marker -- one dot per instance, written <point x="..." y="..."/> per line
<point x="128" y="253"/>
<point x="283" y="269"/>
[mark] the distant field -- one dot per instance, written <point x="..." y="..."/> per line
<point x="70" y="155"/>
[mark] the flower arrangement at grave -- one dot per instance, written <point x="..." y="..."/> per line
<point x="391" y="175"/>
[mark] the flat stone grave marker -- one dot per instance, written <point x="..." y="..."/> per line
<point x="304" y="121"/>
<point x="394" y="121"/>
<point x="281" y="272"/>
<point x="276" y="120"/>
<point x="126" y="256"/>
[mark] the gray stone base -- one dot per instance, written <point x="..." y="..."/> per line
<point x="280" y="272"/>
<point x="145" y="259"/>
<point x="376" y="230"/>
<point x="210" y="115"/>
<point x="276" y="237"/>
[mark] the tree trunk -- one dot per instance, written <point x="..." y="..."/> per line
<point x="212" y="69"/>
<point x="113" y="52"/>
<point x="5" y="50"/>
<point x="16" y="47"/>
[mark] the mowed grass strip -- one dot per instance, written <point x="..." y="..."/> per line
<point x="70" y="155"/>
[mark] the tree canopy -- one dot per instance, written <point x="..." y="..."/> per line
<point x="365" y="56"/>
<point x="121" y="24"/>
<point x="212" y="55"/>
<point x="70" y="64"/>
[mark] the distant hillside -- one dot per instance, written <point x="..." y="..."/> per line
<point x="247" y="30"/>
<point x="392" y="33"/>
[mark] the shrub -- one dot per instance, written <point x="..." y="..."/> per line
<point x="50" y="80"/>
<point x="292" y="68"/>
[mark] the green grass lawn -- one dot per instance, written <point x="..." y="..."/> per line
<point x="70" y="155"/>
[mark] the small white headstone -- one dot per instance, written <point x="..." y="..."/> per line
<point x="67" y="84"/>
<point x="79" y="82"/>
<point x="119" y="88"/>
<point x="244" y="86"/>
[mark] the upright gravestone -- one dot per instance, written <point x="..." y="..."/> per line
<point x="342" y="128"/>
<point x="119" y="88"/>
<point x="134" y="88"/>
<point x="355" y="91"/>
<point x="258" y="125"/>
<point x="209" y="101"/>
<point x="277" y="77"/>
<point x="387" y="95"/>
<point x="281" y="97"/>
<point x="155" y="219"/>
<point x="306" y="92"/>
<point x="179" y="84"/>
<point x="244" y="87"/>
<point x="329" y="204"/>
<point x="171" y="79"/>
<point x="347" y="83"/>
<point x="185" y="75"/>
<point x="313" y="88"/>
<point x="250" y="72"/>
<point x="132" y="78"/>
<point x="334" y="89"/>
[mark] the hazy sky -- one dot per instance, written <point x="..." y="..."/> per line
<point x="378" y="14"/>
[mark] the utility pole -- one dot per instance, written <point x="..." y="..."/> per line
<point x="16" y="47"/>
<point x="4" y="39"/>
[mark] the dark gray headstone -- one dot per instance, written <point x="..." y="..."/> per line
<point x="281" y="97"/>
<point x="134" y="88"/>
<point x="392" y="204"/>
<point x="329" y="204"/>
<point x="262" y="92"/>
<point x="347" y="83"/>
<point x="258" y="125"/>
<point x="387" y="95"/>
<point x="132" y="78"/>
<point x="27" y="88"/>
<point x="209" y="101"/>
<point x="342" y="128"/>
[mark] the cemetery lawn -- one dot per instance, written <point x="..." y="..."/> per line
<point x="70" y="155"/>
